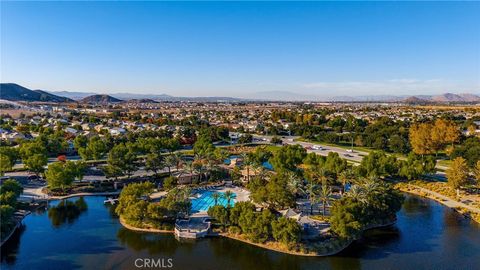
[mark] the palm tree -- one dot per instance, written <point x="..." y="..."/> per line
<point x="322" y="175"/>
<point x="294" y="183"/>
<point x="221" y="155"/>
<point x="345" y="177"/>
<point x="169" y="163"/>
<point x="247" y="162"/>
<point x="357" y="193"/>
<point x="199" y="168"/>
<point x="228" y="195"/>
<point x="311" y="191"/>
<point x="211" y="164"/>
<point x="185" y="194"/>
<point x="178" y="158"/>
<point x="325" y="196"/>
<point x="188" y="166"/>
<point x="216" y="196"/>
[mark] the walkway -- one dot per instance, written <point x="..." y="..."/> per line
<point x="446" y="200"/>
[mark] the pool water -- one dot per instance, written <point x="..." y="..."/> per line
<point x="205" y="201"/>
<point x="265" y="164"/>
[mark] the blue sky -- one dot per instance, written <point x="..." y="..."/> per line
<point x="234" y="49"/>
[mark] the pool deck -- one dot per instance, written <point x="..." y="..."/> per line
<point x="242" y="195"/>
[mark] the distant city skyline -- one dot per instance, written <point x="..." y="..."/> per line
<point x="236" y="49"/>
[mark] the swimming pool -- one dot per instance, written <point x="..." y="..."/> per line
<point x="265" y="164"/>
<point x="205" y="200"/>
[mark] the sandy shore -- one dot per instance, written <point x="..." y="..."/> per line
<point x="124" y="224"/>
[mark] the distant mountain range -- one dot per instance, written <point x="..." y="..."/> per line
<point x="100" y="99"/>
<point x="15" y="92"/>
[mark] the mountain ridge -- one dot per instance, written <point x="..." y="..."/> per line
<point x="15" y="92"/>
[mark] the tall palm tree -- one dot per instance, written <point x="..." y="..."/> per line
<point x="221" y="155"/>
<point x="211" y="164"/>
<point x="185" y="194"/>
<point x="178" y="158"/>
<point x="311" y="191"/>
<point x="169" y="163"/>
<point x="357" y="193"/>
<point x="247" y="162"/>
<point x="294" y="183"/>
<point x="322" y="175"/>
<point x="216" y="196"/>
<point x="228" y="195"/>
<point x="325" y="196"/>
<point x="344" y="178"/>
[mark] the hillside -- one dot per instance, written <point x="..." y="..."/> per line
<point x="444" y="98"/>
<point x="100" y="99"/>
<point x="15" y="92"/>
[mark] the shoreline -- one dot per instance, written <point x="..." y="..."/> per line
<point x="260" y="245"/>
<point x="81" y="194"/>
<point x="124" y="224"/>
<point x="429" y="194"/>
<point x="14" y="229"/>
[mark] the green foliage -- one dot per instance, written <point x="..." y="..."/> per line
<point x="62" y="174"/>
<point x="154" y="162"/>
<point x="286" y="230"/>
<point x="11" y="185"/>
<point x="36" y="163"/>
<point x="238" y="209"/>
<point x="6" y="216"/>
<point x="261" y="228"/>
<point x="274" y="193"/>
<point x="5" y="164"/>
<point x="276" y="140"/>
<point x="346" y="218"/>
<point x="457" y="173"/>
<point x="469" y="150"/>
<point x="220" y="213"/>
<point x="378" y="164"/>
<point x="10" y="190"/>
<point x="121" y="161"/>
<point x="131" y="194"/>
<point x="169" y="183"/>
<point x="95" y="149"/>
<point x="416" y="166"/>
<point x="8" y="158"/>
<point x="369" y="202"/>
<point x="245" y="138"/>
<point x="34" y="156"/>
<point x="288" y="158"/>
<point x="257" y="226"/>
<point x="334" y="164"/>
<point x="203" y="147"/>
<point x="136" y="210"/>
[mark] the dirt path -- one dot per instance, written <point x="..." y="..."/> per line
<point x="443" y="199"/>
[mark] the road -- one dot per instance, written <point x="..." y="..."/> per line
<point x="355" y="157"/>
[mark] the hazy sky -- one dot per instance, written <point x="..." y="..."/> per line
<point x="233" y="49"/>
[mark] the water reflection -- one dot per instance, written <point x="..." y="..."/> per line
<point x="10" y="248"/>
<point x="427" y="236"/>
<point x="66" y="212"/>
<point x="152" y="243"/>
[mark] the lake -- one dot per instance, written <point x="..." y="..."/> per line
<point x="84" y="233"/>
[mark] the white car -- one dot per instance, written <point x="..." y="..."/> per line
<point x="317" y="147"/>
<point x="350" y="150"/>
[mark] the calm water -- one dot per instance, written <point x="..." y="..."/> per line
<point x="205" y="201"/>
<point x="83" y="233"/>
